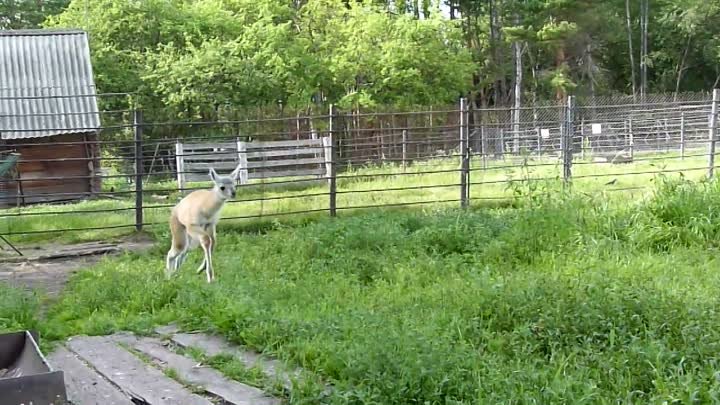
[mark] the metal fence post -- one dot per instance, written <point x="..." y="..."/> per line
<point x="502" y="143"/>
<point x="332" y="184"/>
<point x="483" y="145"/>
<point x="582" y="139"/>
<point x="468" y="149"/>
<point x="180" y="164"/>
<point x="138" y="134"/>
<point x="404" y="149"/>
<point x="464" y="160"/>
<point x="567" y="138"/>
<point x="631" y="139"/>
<point x="682" y="135"/>
<point x="712" y="132"/>
<point x="242" y="160"/>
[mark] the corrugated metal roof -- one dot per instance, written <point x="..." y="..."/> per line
<point x="46" y="84"/>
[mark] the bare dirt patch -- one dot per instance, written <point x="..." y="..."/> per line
<point x="48" y="267"/>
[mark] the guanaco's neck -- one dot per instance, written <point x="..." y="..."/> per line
<point x="217" y="202"/>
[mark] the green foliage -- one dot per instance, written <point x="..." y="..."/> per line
<point x="18" y="309"/>
<point x="200" y="59"/>
<point x="193" y="58"/>
<point x="564" y="301"/>
<point x="375" y="58"/>
<point x="25" y="14"/>
<point x="554" y="32"/>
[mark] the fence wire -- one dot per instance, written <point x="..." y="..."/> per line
<point x="128" y="173"/>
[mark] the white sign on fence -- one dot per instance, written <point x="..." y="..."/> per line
<point x="544" y="133"/>
<point x="597" y="129"/>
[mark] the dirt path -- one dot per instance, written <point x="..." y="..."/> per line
<point x="48" y="267"/>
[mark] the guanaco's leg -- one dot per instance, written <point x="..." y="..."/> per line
<point x="213" y="235"/>
<point x="213" y="241"/>
<point x="203" y="234"/>
<point x="179" y="245"/>
<point x="176" y="255"/>
<point x="210" y="229"/>
<point x="201" y="268"/>
<point x="207" y="245"/>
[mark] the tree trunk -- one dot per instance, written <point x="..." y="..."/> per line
<point x="426" y="9"/>
<point x="518" y="95"/>
<point x="645" y="10"/>
<point x="630" y="47"/>
<point x="476" y="124"/>
<point x="534" y="104"/>
<point x="590" y="69"/>
<point x="559" y="61"/>
<point x="681" y="67"/>
<point x="401" y="6"/>
<point x="495" y="38"/>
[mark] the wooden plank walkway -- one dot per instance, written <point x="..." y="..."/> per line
<point x="214" y="345"/>
<point x="212" y="381"/>
<point x="84" y="385"/>
<point x="128" y="372"/>
<point x="125" y="369"/>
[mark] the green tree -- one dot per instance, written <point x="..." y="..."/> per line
<point x="373" y="57"/>
<point x="23" y="14"/>
<point x="195" y="58"/>
<point x="687" y="39"/>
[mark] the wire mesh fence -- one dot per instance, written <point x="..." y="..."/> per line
<point x="127" y="173"/>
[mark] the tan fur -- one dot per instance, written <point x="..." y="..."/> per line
<point x="193" y="222"/>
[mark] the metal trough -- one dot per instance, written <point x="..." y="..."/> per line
<point x="26" y="378"/>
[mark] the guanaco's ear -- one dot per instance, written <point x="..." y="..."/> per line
<point x="213" y="175"/>
<point x="235" y="173"/>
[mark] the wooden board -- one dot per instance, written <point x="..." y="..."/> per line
<point x="285" y="162"/>
<point x="130" y="374"/>
<point x="209" y="152"/>
<point x="286" y="173"/>
<point x="283" y="144"/>
<point x="202" y="177"/>
<point x="204" y="166"/>
<point x="189" y="147"/>
<point x="210" y="380"/>
<point x="285" y="152"/>
<point x="214" y="345"/>
<point x="233" y="157"/>
<point x="197" y="177"/>
<point x="84" y="386"/>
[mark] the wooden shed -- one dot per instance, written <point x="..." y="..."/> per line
<point x="48" y="116"/>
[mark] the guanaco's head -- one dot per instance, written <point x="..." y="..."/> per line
<point x="225" y="185"/>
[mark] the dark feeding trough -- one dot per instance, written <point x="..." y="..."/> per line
<point x="26" y="378"/>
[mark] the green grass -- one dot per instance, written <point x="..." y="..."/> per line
<point x="564" y="298"/>
<point x="18" y="309"/>
<point x="233" y="368"/>
<point x="496" y="185"/>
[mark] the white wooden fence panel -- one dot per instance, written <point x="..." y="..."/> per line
<point x="194" y="160"/>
